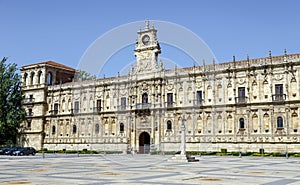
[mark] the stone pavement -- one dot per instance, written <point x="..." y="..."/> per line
<point x="146" y="169"/>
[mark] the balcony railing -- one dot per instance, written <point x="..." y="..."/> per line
<point x="278" y="97"/>
<point x="75" y="111"/>
<point x="28" y="101"/>
<point x="53" y="112"/>
<point x="241" y="99"/>
<point x="121" y="107"/>
<point x="198" y="102"/>
<point x="29" y="114"/>
<point x="96" y="109"/>
<point x="142" y="106"/>
<point x="169" y="104"/>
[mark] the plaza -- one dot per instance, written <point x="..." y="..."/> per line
<point x="146" y="169"/>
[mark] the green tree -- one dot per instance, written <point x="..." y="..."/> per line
<point x="11" y="111"/>
<point x="82" y="75"/>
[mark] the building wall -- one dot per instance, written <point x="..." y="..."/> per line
<point x="241" y="108"/>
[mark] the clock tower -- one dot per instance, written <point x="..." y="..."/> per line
<point x="147" y="49"/>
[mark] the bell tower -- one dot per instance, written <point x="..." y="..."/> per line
<point x="147" y="49"/>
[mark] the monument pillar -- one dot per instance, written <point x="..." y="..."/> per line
<point x="183" y="143"/>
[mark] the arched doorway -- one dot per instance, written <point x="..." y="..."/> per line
<point x="144" y="143"/>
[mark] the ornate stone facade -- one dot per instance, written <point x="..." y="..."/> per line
<point x="240" y="105"/>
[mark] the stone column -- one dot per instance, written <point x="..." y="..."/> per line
<point x="183" y="144"/>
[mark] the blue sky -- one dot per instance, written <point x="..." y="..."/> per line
<point x="61" y="30"/>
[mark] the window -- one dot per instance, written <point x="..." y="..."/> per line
<point x="145" y="98"/>
<point x="199" y="97"/>
<point x="55" y="108"/>
<point x="76" y="107"/>
<point x="32" y="79"/>
<point x="98" y="105"/>
<point x="123" y="103"/>
<point x="278" y="89"/>
<point x="242" y="123"/>
<point x="170" y="100"/>
<point x="49" y="78"/>
<point x="278" y="96"/>
<point x="40" y="77"/>
<point x="121" y="127"/>
<point x="28" y="123"/>
<point x="241" y="92"/>
<point x="53" y="129"/>
<point x="169" y="125"/>
<point x="241" y="95"/>
<point x="279" y="122"/>
<point x="26" y="79"/>
<point x="97" y="128"/>
<point x="30" y="113"/>
<point x="74" y="129"/>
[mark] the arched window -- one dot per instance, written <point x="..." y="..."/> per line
<point x="145" y="98"/>
<point x="169" y="125"/>
<point x="279" y="122"/>
<point x="74" y="129"/>
<point x="25" y="80"/>
<point x="39" y="77"/>
<point x="97" y="129"/>
<point x="242" y="123"/>
<point x="53" y="129"/>
<point x="121" y="127"/>
<point x="32" y="79"/>
<point x="49" y="78"/>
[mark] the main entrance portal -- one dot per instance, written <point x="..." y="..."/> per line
<point x="144" y="143"/>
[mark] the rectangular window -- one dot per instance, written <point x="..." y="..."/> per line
<point x="199" y="97"/>
<point x="279" y="92"/>
<point x="55" y="108"/>
<point x="241" y="92"/>
<point x="76" y="107"/>
<point x="278" y="89"/>
<point x="241" y="95"/>
<point x="170" y="100"/>
<point x="30" y="113"/>
<point x="98" y="106"/>
<point x="123" y="103"/>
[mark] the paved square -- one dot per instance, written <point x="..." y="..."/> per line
<point x="146" y="169"/>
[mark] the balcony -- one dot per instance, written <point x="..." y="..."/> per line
<point x="27" y="101"/>
<point x="95" y="110"/>
<point x="198" y="102"/>
<point x="75" y="111"/>
<point x="241" y="99"/>
<point x="29" y="114"/>
<point x="140" y="106"/>
<point x="142" y="109"/>
<point x="53" y="112"/>
<point x="278" y="97"/>
<point x="121" y="107"/>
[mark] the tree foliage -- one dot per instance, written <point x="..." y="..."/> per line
<point x="11" y="111"/>
<point x="82" y="75"/>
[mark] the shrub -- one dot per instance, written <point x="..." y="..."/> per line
<point x="223" y="150"/>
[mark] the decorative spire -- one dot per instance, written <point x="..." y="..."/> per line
<point x="270" y="56"/>
<point x="234" y="64"/>
<point x="147" y="24"/>
<point x="285" y="52"/>
<point x="248" y="60"/>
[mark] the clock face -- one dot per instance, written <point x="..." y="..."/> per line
<point x="146" y="39"/>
